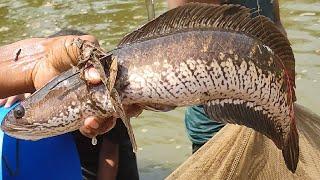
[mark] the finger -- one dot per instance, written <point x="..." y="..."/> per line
<point x="94" y="126"/>
<point x="92" y="76"/>
<point x="90" y="127"/>
<point x="91" y="122"/>
<point x="87" y="132"/>
<point x="98" y="125"/>
<point x="3" y="101"/>
<point x="11" y="100"/>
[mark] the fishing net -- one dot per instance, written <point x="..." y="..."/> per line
<point x="237" y="152"/>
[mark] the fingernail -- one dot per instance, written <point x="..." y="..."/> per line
<point x="94" y="73"/>
<point x="94" y="125"/>
<point x="92" y="76"/>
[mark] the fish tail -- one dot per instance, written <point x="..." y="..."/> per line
<point x="290" y="149"/>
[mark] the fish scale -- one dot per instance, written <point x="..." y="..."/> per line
<point x="217" y="70"/>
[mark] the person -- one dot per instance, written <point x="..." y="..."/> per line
<point x="200" y="128"/>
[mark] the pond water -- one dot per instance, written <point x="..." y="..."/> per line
<point x="161" y="137"/>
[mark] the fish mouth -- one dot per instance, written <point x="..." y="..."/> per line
<point x="10" y="127"/>
<point x="6" y="127"/>
<point x="18" y="132"/>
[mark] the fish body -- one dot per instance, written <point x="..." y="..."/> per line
<point x="240" y="68"/>
<point x="204" y="67"/>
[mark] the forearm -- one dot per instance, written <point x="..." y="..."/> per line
<point x="108" y="160"/>
<point x="29" y="64"/>
<point x="16" y="67"/>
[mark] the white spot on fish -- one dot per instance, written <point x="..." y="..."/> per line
<point x="221" y="55"/>
<point x="268" y="48"/>
<point x="236" y="57"/>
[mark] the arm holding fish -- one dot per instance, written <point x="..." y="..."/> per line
<point x="31" y="63"/>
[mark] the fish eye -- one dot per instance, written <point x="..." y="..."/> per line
<point x="18" y="112"/>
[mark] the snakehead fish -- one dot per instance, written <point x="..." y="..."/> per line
<point x="240" y="67"/>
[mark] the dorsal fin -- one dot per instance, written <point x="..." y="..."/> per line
<point x="214" y="17"/>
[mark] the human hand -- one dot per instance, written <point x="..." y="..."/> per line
<point x="31" y="63"/>
<point x="94" y="126"/>
<point x="60" y="54"/>
<point x="8" y="102"/>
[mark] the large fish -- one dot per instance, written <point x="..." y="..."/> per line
<point x="240" y="67"/>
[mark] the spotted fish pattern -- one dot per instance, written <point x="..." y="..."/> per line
<point x="228" y="75"/>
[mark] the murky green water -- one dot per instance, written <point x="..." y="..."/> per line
<point x="161" y="137"/>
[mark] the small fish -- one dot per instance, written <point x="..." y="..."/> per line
<point x="240" y="67"/>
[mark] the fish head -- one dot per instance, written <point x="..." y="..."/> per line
<point x="52" y="110"/>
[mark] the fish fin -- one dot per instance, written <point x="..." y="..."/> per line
<point x="290" y="151"/>
<point x="126" y="122"/>
<point x="244" y="113"/>
<point x="236" y="18"/>
<point x="305" y="119"/>
<point x="125" y="119"/>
